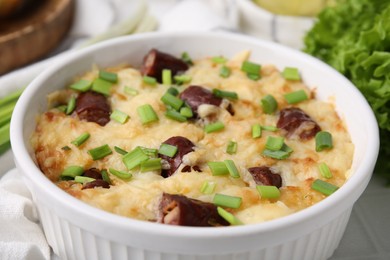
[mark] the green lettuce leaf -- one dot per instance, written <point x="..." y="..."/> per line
<point x="354" y="38"/>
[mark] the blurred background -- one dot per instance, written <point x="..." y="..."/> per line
<point x="31" y="30"/>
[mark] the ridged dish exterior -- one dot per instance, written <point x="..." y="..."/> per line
<point x="70" y="241"/>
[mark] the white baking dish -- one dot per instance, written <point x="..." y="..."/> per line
<point x="76" y="230"/>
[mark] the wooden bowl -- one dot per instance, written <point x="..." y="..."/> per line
<point x="33" y="33"/>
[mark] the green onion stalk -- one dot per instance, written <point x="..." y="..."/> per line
<point x="7" y="105"/>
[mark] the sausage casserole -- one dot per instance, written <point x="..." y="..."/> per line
<point x="209" y="142"/>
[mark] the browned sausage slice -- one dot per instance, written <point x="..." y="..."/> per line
<point x="93" y="173"/>
<point x="182" y="211"/>
<point x="264" y="176"/>
<point x="195" y="96"/>
<point x="155" y="61"/>
<point x="93" y="107"/>
<point x="96" y="183"/>
<point x="184" y="146"/>
<point x="294" y="121"/>
<point x="188" y="168"/>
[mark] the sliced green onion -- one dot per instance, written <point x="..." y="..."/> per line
<point x="269" y="104"/>
<point x="174" y="115"/>
<point x="120" y="150"/>
<point x="324" y="170"/>
<point x="286" y="148"/>
<point x="168" y="150"/>
<point x="151" y="152"/>
<point x="269" y="128"/>
<point x="105" y="176"/>
<point x="224" y="72"/>
<point x="186" y="58"/>
<point x="120" y="174"/>
<point x="214" y="127"/>
<point x="134" y="158"/>
<point x="291" y="73"/>
<point x="167" y="77"/>
<point x="172" y="101"/>
<point x="323" y="141"/>
<point x="131" y="91"/>
<point x="62" y="108"/>
<point x="186" y="112"/>
<point x="233" y="171"/>
<point x="152" y="164"/>
<point x="72" y="171"/>
<point x="253" y="76"/>
<point x="274" y="143"/>
<point x="82" y="85"/>
<point x="218" y="168"/>
<point x="225" y="94"/>
<point x="66" y="148"/>
<point x="229" y="217"/>
<point x="100" y="152"/>
<point x="101" y="86"/>
<point x="231" y="147"/>
<point x="182" y="79"/>
<point x="173" y="91"/>
<point x="219" y="59"/>
<point x="251" y="68"/>
<point x="268" y="192"/>
<point x="256" y="131"/>
<point x="325" y="188"/>
<point x="81" y="139"/>
<point x="83" y="179"/>
<point x="147" y="114"/>
<point x="296" y="96"/>
<point x="149" y="80"/>
<point x="119" y="116"/>
<point x="227" y="201"/>
<point x="208" y="187"/>
<point x="108" y="76"/>
<point x="71" y="106"/>
<point x="65" y="178"/>
<point x="281" y="154"/>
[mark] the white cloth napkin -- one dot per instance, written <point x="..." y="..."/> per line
<point x="21" y="236"/>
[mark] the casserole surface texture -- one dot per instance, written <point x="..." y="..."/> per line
<point x="139" y="196"/>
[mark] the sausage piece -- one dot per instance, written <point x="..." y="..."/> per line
<point x="182" y="211"/>
<point x="195" y="96"/>
<point x="155" y="61"/>
<point x="184" y="146"/>
<point x="263" y="175"/>
<point x="295" y="122"/>
<point x="93" y="107"/>
<point x="188" y="168"/>
<point x="93" y="173"/>
<point x="96" y="183"/>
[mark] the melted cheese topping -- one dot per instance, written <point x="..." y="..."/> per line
<point x="139" y="197"/>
